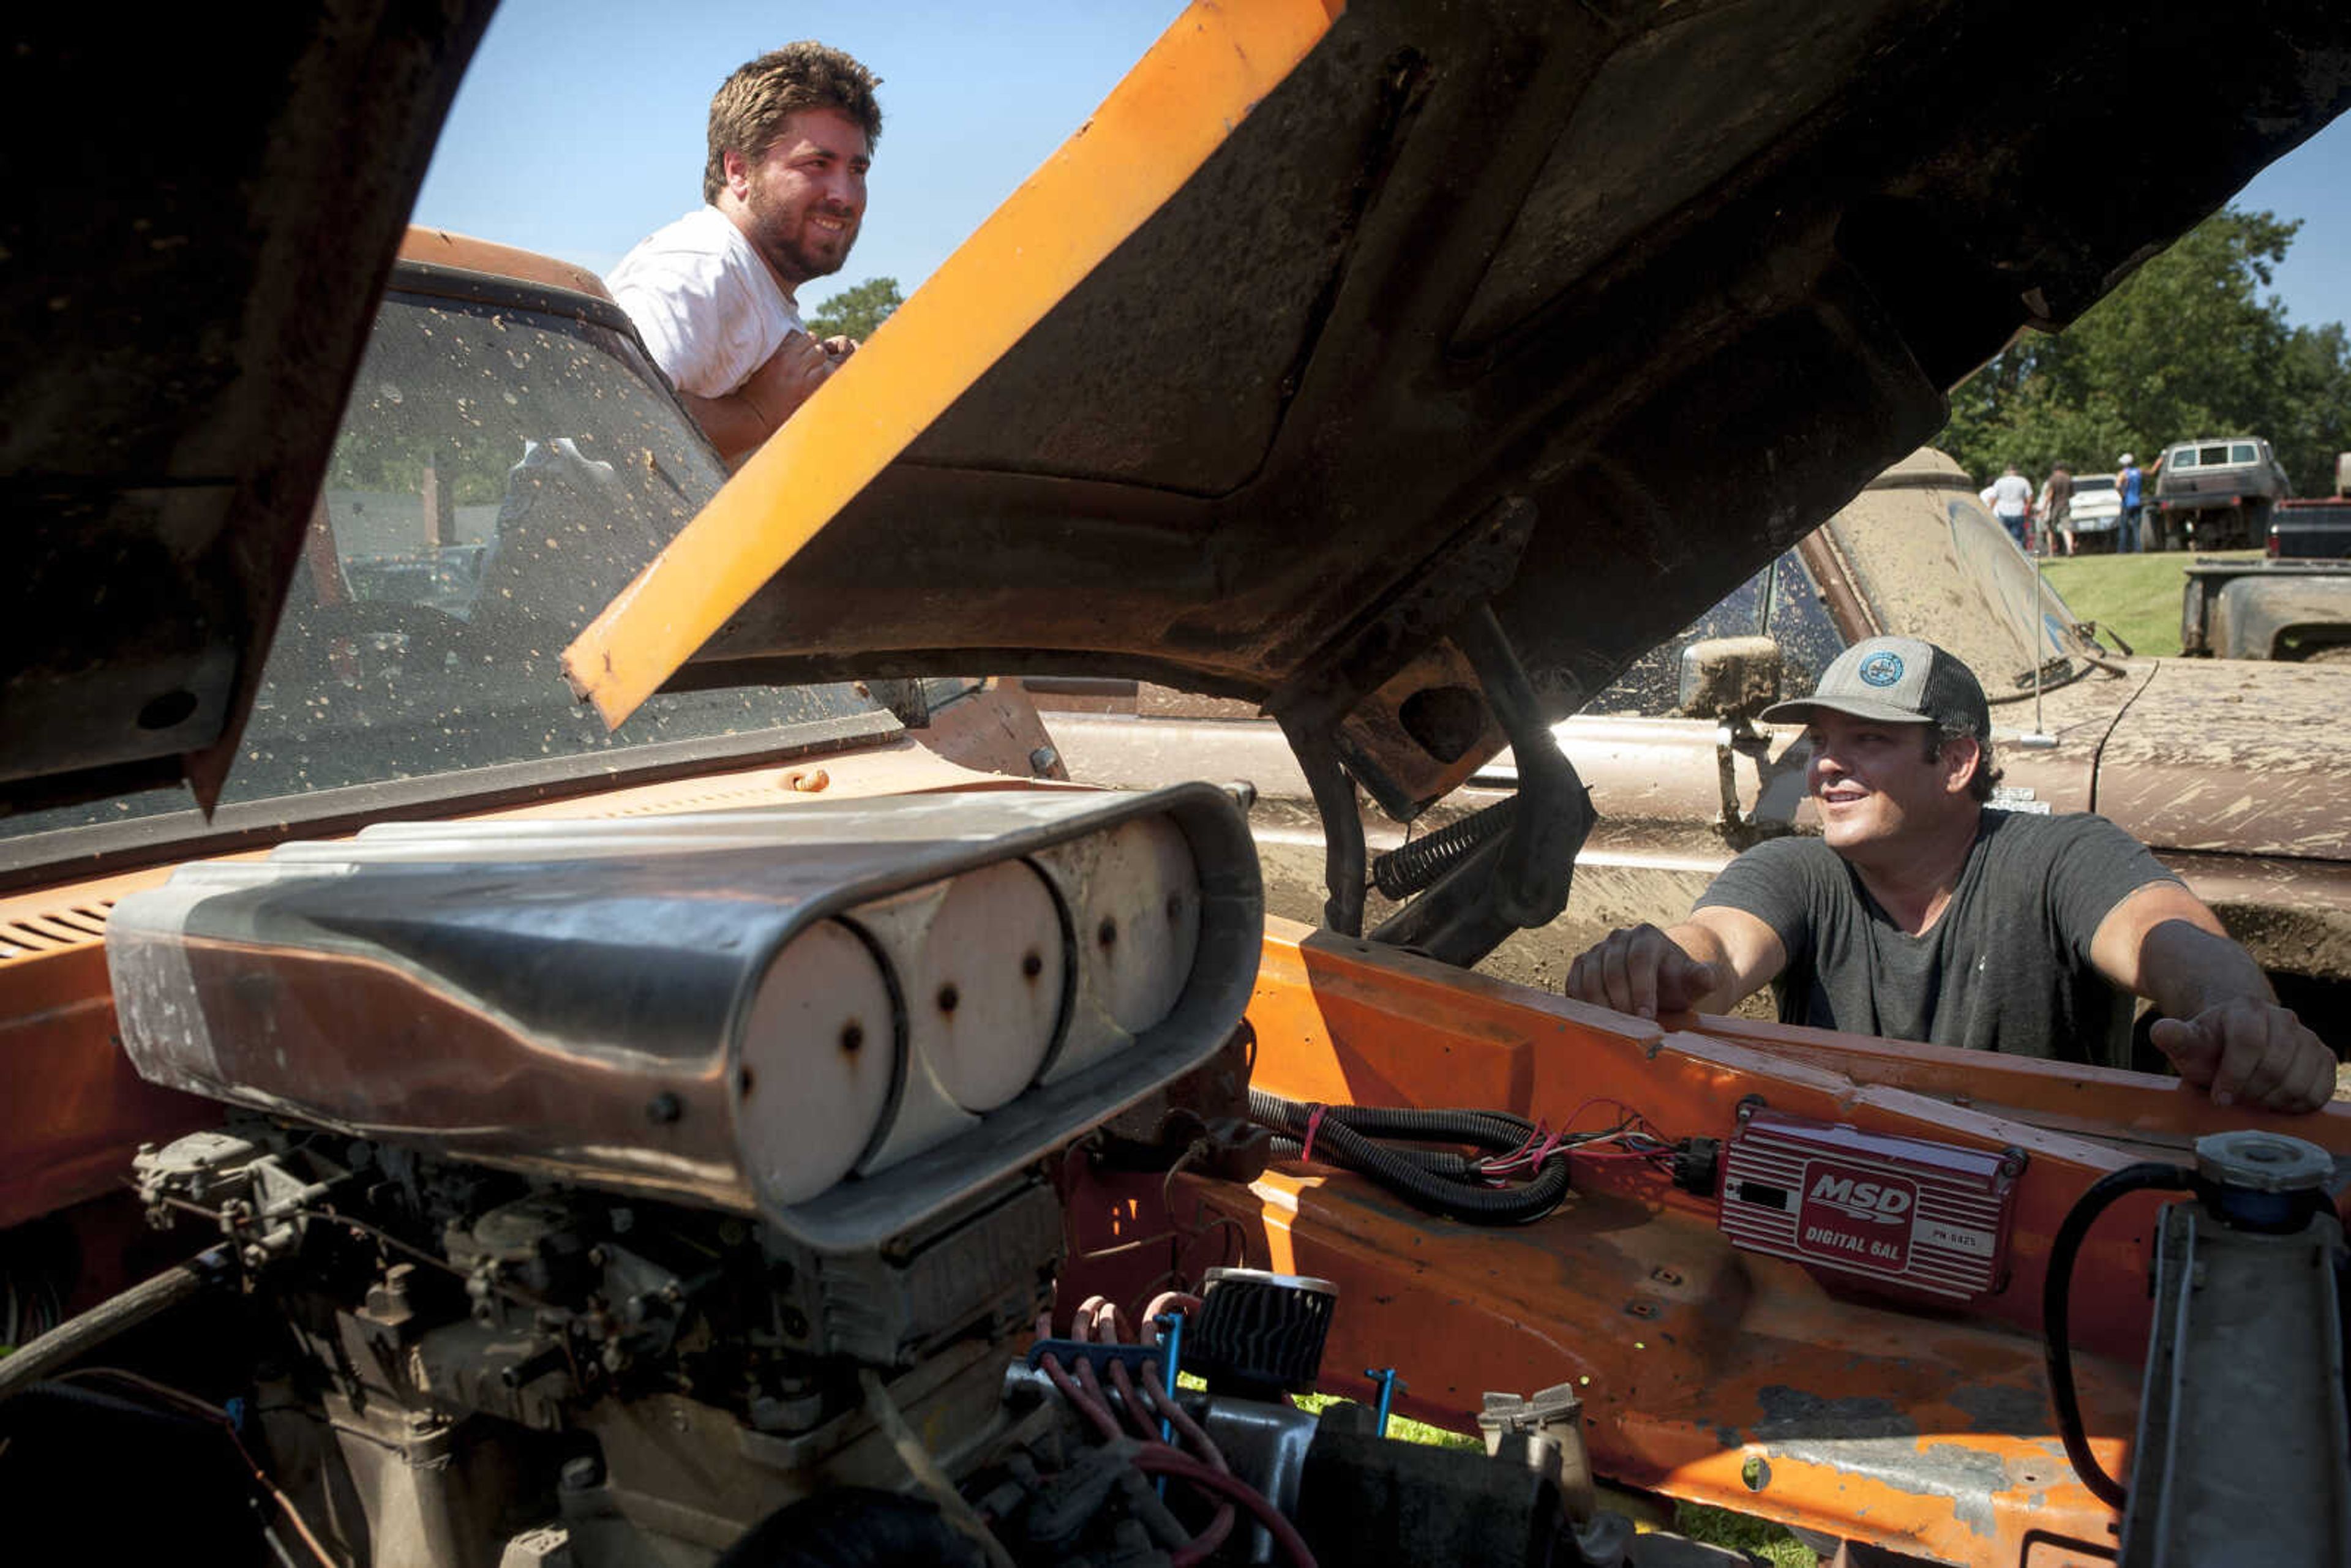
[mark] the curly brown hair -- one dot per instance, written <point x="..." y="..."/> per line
<point x="1986" y="774"/>
<point x="749" y="111"/>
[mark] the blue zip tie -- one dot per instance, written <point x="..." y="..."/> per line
<point x="1386" y="1376"/>
<point x="1172" y="1325"/>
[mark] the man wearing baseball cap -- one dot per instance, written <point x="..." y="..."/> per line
<point x="1921" y="912"/>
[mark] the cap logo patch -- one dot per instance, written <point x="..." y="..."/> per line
<point x="1881" y="669"/>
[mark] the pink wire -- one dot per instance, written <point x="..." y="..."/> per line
<point x="1098" y="1320"/>
<point x="1167" y="1300"/>
<point x="1637" y="1119"/>
<point x="1201" y="1547"/>
<point x="1168" y="1405"/>
<point x="1085" y="1404"/>
<point x="1314" y="1125"/>
<point x="1220" y="1524"/>
<point x="1159" y="1458"/>
<point x="1131" y="1401"/>
<point x="1091" y="1383"/>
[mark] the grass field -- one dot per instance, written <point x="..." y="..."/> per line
<point x="2134" y="596"/>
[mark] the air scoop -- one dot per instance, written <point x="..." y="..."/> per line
<point x="839" y="1015"/>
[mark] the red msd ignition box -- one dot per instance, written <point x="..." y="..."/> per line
<point x="1923" y="1216"/>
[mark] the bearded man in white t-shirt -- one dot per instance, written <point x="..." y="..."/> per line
<point x="714" y="294"/>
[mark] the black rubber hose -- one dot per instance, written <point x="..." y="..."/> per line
<point x="112" y="1404"/>
<point x="1440" y="1195"/>
<point x="1442" y="1162"/>
<point x="77" y="1336"/>
<point x="1342" y="1139"/>
<point x="1343" y="828"/>
<point x="2056" y="1302"/>
<point x="1496" y="1130"/>
<point x="1488" y="1129"/>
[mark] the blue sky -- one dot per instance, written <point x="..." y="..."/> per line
<point x="578" y="129"/>
<point x="2313" y="183"/>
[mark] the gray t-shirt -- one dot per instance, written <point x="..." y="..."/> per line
<point x="2007" y="967"/>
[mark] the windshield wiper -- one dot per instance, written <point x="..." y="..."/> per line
<point x="2060" y="671"/>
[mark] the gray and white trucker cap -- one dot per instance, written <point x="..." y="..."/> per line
<point x="1896" y="680"/>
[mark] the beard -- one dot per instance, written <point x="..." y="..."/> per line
<point x="784" y="235"/>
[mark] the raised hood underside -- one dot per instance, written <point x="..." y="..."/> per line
<point x="203" y="207"/>
<point x="1579" y="310"/>
<point x="1576" y="310"/>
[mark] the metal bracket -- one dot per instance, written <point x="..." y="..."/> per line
<point x="1519" y="879"/>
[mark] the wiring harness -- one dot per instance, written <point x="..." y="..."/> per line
<point x="1156" y="1429"/>
<point x="1522" y="1176"/>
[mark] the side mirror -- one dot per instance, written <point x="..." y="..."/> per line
<point x="1730" y="678"/>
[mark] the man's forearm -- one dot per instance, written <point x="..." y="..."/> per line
<point x="732" y="421"/>
<point x="2185" y="969"/>
<point x="1706" y="946"/>
<point x="1744" y="952"/>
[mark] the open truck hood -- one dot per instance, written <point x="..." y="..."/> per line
<point x="1579" y="312"/>
<point x="1340" y="328"/>
<point x="186" y="283"/>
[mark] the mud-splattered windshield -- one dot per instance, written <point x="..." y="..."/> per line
<point x="500" y="474"/>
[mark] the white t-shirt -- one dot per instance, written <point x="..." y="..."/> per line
<point x="706" y="305"/>
<point x="2010" y="496"/>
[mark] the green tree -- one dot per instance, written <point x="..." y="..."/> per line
<point x="2189" y="345"/>
<point x="2317" y="423"/>
<point x="857" y="309"/>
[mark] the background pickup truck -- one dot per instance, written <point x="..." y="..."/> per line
<point x="2311" y="530"/>
<point x="2215" y="492"/>
<point x="2298" y="610"/>
<point x="2296" y="604"/>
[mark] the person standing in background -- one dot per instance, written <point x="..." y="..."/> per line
<point x="2057" y="508"/>
<point x="2130" y="484"/>
<point x="714" y="294"/>
<point x="2009" y="496"/>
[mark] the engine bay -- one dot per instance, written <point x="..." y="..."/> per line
<point x="695" y="1189"/>
<point x="979" y="1177"/>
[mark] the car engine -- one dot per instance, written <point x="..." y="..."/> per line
<point x="688" y="1190"/>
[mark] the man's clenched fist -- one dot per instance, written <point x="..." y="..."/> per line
<point x="2250" y="1051"/>
<point x="1642" y="970"/>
